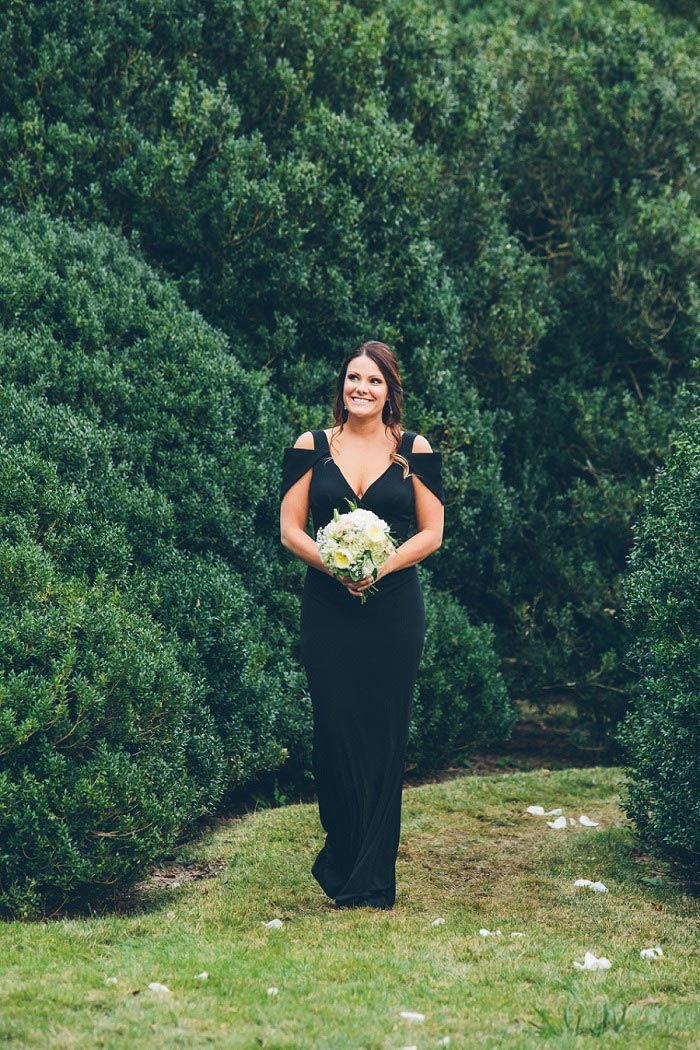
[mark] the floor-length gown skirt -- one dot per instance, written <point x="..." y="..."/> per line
<point x="361" y="663"/>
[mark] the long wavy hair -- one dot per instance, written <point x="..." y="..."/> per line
<point x="385" y="360"/>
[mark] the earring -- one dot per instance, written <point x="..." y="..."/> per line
<point x="345" y="413"/>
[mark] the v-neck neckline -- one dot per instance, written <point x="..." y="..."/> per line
<point x="360" y="499"/>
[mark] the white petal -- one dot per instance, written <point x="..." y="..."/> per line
<point x="590" y="962"/>
<point x="597" y="887"/>
<point x="274" y="924"/>
<point x="438" y="922"/>
<point x="587" y="822"/>
<point x="517" y="934"/>
<point x="537" y="811"/>
<point x="649" y="953"/>
<point x="273" y="991"/>
<point x="485" y="933"/>
<point x="408" y="1015"/>
<point x="557" y="824"/>
<point x="162" y="989"/>
<point x="203" y="976"/>
<point x="572" y="821"/>
<point x="113" y="980"/>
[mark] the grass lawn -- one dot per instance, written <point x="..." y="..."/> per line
<point x="469" y="855"/>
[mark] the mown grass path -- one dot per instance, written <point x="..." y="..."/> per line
<point x="469" y="855"/>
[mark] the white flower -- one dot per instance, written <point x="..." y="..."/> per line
<point x="557" y="824"/>
<point x="161" y="989"/>
<point x="408" y="1015"/>
<point x="590" y="962"/>
<point x="651" y="953"/>
<point x="273" y="991"/>
<point x="341" y="558"/>
<point x="587" y="822"/>
<point x="274" y="924"/>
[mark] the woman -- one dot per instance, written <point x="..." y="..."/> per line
<point x="361" y="659"/>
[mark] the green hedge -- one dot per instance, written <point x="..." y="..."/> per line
<point x="461" y="699"/>
<point x="158" y="438"/>
<point x="106" y="751"/>
<point x="662" y="732"/>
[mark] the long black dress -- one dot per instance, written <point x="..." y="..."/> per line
<point x="361" y="662"/>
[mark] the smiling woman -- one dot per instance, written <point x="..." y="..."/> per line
<point x="361" y="660"/>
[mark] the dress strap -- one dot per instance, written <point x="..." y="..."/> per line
<point x="425" y="465"/>
<point x="320" y="441"/>
<point x="297" y="461"/>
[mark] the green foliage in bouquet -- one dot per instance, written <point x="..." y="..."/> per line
<point x="662" y="732"/>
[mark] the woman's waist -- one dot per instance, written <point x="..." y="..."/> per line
<point x="322" y="583"/>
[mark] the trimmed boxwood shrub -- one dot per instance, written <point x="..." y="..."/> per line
<point x="105" y="749"/>
<point x="158" y="439"/>
<point x="662" y="732"/>
<point x="461" y="699"/>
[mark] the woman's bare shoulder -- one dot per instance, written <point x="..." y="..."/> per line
<point x="421" y="444"/>
<point x="305" y="440"/>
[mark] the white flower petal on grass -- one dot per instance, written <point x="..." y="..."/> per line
<point x="274" y="924"/>
<point x="490" y="933"/>
<point x="557" y="824"/>
<point x="597" y="887"/>
<point x="273" y="991"/>
<point x="517" y="934"/>
<point x="409" y="1015"/>
<point x="587" y="822"/>
<point x="161" y="989"/>
<point x="590" y="962"/>
<point x="651" y="953"/>
<point x="203" y="976"/>
<point x="438" y="922"/>
<point x="539" y="811"/>
<point x="113" y="980"/>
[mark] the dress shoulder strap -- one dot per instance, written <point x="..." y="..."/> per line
<point x="320" y="441"/>
<point x="407" y="441"/>
<point x="297" y="461"/>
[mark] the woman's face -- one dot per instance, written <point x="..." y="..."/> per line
<point x="365" y="391"/>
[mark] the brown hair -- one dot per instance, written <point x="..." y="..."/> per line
<point x="387" y="363"/>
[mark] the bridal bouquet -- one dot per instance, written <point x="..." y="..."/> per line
<point x="355" y="544"/>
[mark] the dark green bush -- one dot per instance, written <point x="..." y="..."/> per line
<point x="158" y="439"/>
<point x="105" y="749"/>
<point x="461" y="699"/>
<point x="661" y="735"/>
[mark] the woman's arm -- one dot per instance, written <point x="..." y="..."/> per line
<point x="294" y="515"/>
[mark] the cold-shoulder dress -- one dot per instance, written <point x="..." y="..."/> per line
<point x="361" y="663"/>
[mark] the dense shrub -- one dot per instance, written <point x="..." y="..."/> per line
<point x="662" y="732"/>
<point x="105" y="749"/>
<point x="158" y="442"/>
<point x="506" y="191"/>
<point x="461" y="699"/>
